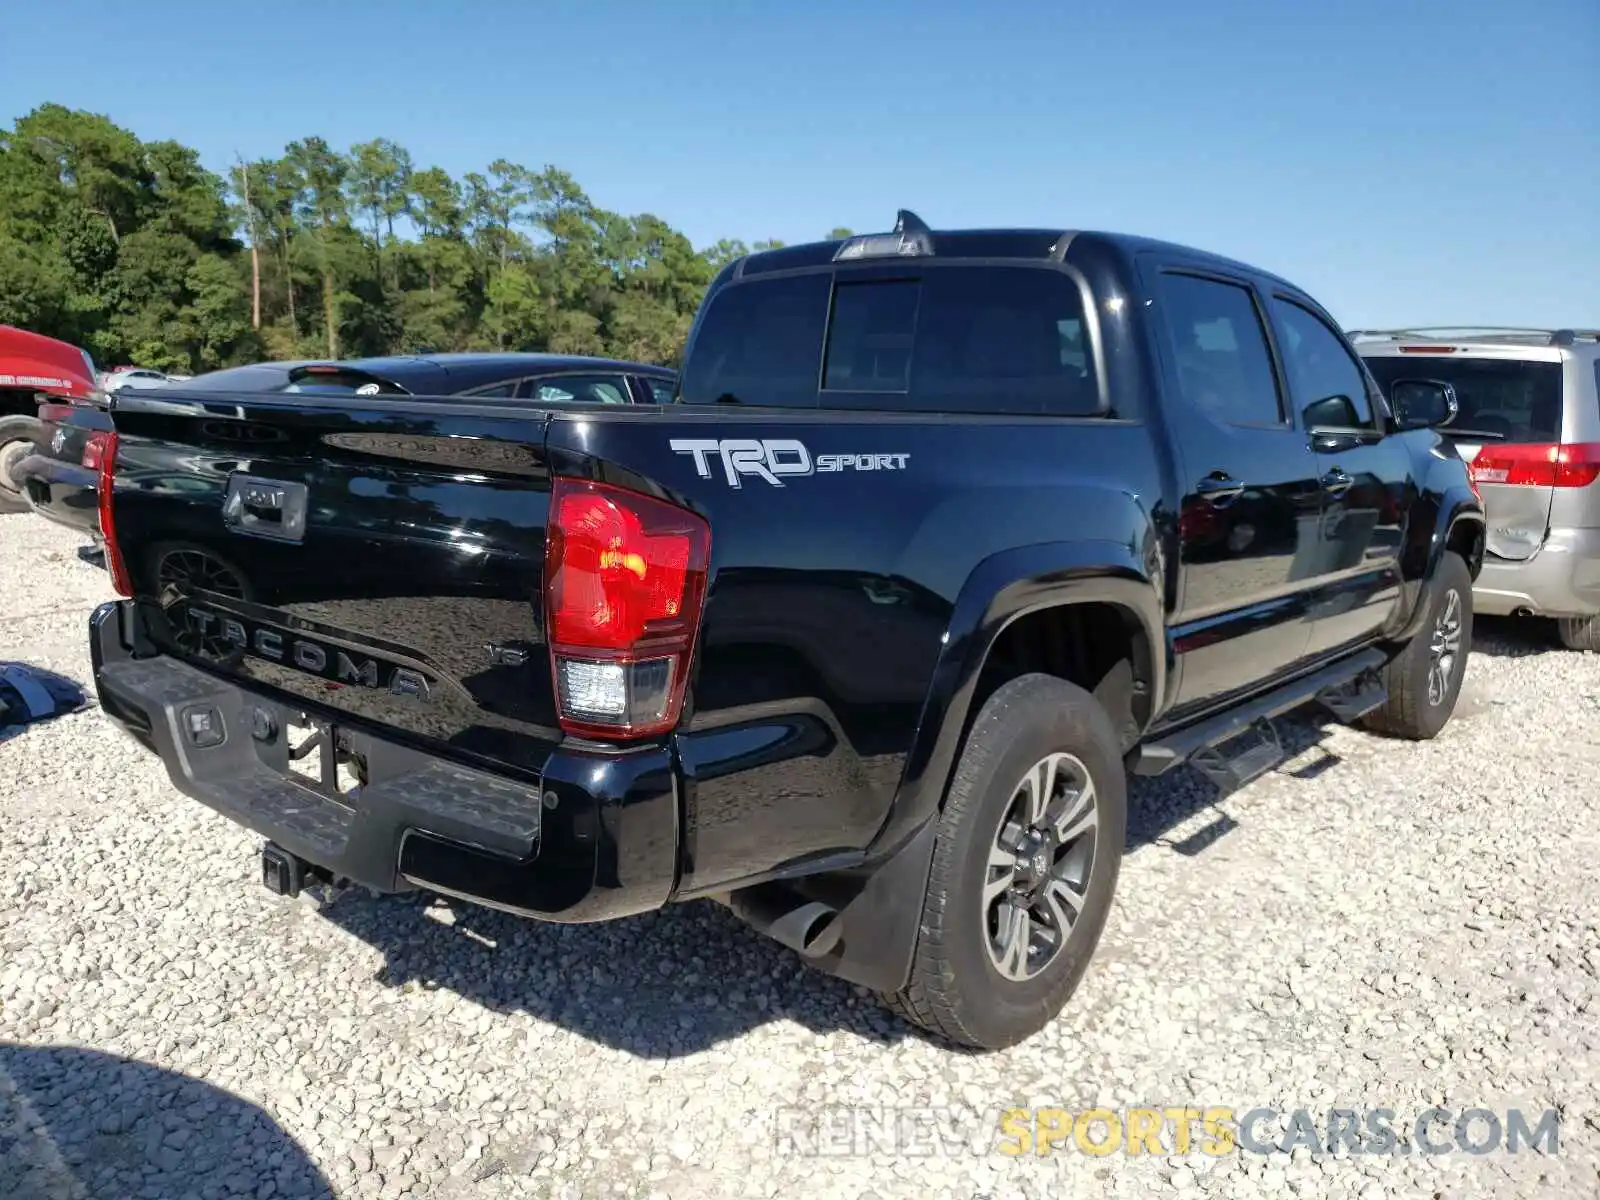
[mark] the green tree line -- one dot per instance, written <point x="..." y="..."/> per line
<point x="137" y="252"/>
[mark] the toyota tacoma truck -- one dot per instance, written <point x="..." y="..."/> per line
<point x="942" y="535"/>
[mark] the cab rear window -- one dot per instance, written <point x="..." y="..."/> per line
<point x="1002" y="340"/>
<point x="1501" y="399"/>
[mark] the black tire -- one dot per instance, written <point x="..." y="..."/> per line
<point x="1579" y="633"/>
<point x="956" y="989"/>
<point x="1413" y="710"/>
<point x="16" y="441"/>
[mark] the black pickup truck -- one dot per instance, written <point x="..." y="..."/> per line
<point x="943" y="534"/>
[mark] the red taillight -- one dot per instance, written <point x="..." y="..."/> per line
<point x="1568" y="465"/>
<point x="116" y="567"/>
<point x="94" y="450"/>
<point x="625" y="580"/>
<point x="1427" y="349"/>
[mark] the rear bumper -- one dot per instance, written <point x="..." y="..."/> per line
<point x="1561" y="580"/>
<point x="62" y="492"/>
<point x="595" y="838"/>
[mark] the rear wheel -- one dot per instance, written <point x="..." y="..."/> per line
<point x="1580" y="633"/>
<point x="1424" y="679"/>
<point x="16" y="443"/>
<point x="1026" y="860"/>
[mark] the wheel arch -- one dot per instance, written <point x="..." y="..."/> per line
<point x="1008" y="596"/>
<point x="880" y="926"/>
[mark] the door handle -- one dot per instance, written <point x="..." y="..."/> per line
<point x="1336" y="482"/>
<point x="1219" y="487"/>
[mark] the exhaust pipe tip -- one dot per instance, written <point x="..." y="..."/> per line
<point x="808" y="927"/>
<point x="811" y="930"/>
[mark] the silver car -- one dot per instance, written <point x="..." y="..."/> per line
<point x="1526" y="415"/>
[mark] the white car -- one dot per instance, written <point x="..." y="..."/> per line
<point x="133" y="377"/>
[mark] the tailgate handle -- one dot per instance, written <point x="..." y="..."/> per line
<point x="267" y="508"/>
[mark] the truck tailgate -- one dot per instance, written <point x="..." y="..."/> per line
<point x="381" y="562"/>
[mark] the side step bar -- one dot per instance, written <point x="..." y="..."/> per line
<point x="1349" y="688"/>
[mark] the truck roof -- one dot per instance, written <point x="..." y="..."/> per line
<point x="1020" y="243"/>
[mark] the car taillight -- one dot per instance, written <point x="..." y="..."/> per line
<point x="624" y="584"/>
<point x="94" y="450"/>
<point x="116" y="566"/>
<point x="1566" y="465"/>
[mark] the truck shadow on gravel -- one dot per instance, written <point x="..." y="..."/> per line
<point x="659" y="985"/>
<point x="77" y="1123"/>
<point x="691" y="976"/>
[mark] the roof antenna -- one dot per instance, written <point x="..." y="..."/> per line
<point x="906" y="221"/>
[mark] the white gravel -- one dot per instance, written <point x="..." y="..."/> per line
<point x="1398" y="926"/>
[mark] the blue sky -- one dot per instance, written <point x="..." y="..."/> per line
<point x="1417" y="162"/>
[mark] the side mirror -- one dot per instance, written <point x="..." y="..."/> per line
<point x="1331" y="412"/>
<point x="1423" y="403"/>
<point x="1334" y="425"/>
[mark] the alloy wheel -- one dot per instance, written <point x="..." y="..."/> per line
<point x="1039" y="866"/>
<point x="1444" y="648"/>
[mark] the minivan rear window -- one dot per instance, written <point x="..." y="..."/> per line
<point x="1004" y="340"/>
<point x="1501" y="399"/>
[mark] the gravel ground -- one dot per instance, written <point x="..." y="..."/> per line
<point x="1373" y="925"/>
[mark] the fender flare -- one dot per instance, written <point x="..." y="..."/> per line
<point x="1455" y="512"/>
<point x="1002" y="588"/>
<point x="1457" y="507"/>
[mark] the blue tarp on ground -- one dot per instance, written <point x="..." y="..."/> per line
<point x="32" y="694"/>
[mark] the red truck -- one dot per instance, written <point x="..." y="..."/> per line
<point x="31" y="364"/>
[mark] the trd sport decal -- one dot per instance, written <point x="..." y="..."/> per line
<point x="774" y="459"/>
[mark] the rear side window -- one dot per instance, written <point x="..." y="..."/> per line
<point x="1220" y="349"/>
<point x="661" y="390"/>
<point x="1004" y="340"/>
<point x="760" y="343"/>
<point x="1500" y="399"/>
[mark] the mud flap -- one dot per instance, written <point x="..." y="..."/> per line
<point x="879" y="927"/>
